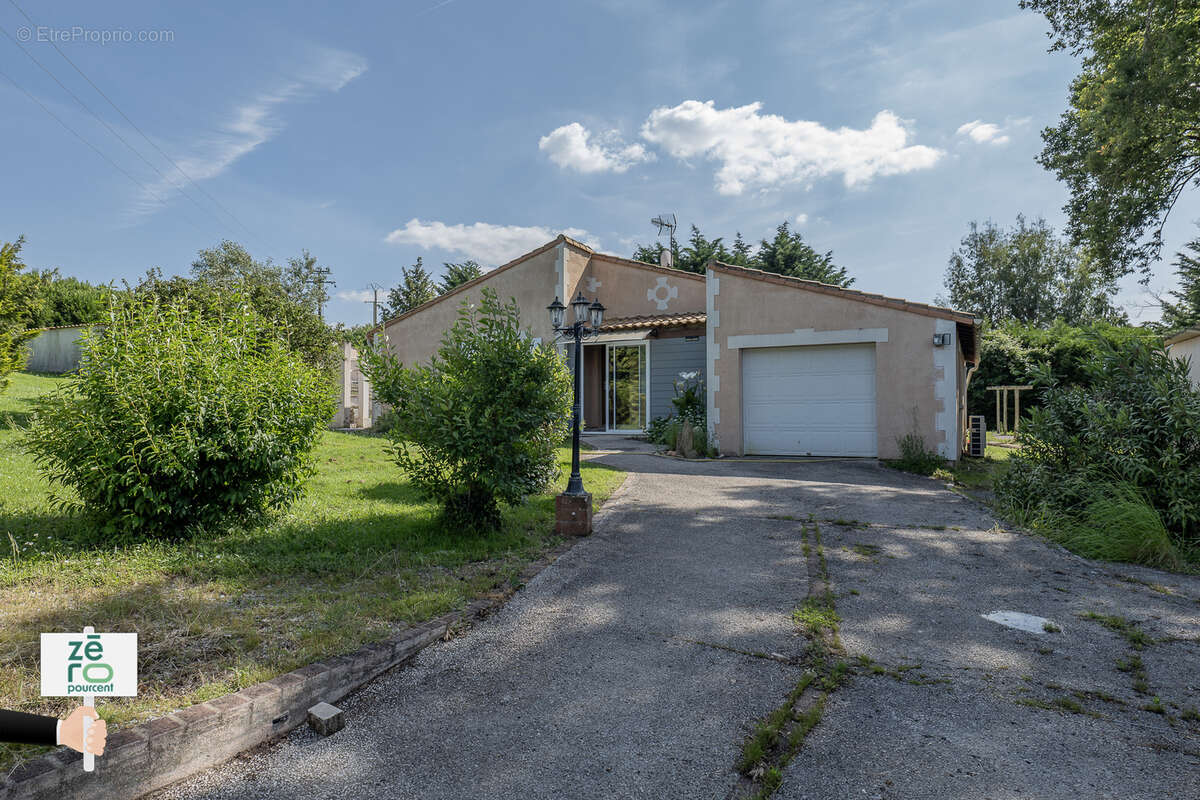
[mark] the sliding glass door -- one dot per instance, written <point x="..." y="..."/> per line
<point x="628" y="382"/>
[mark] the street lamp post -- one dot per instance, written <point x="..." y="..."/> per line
<point x="573" y="508"/>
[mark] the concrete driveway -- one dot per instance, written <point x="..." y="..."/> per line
<point x="637" y="664"/>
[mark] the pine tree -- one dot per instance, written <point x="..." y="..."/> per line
<point x="458" y="274"/>
<point x="1185" y="312"/>
<point x="416" y="288"/>
<point x="740" y="255"/>
<point x="788" y="254"/>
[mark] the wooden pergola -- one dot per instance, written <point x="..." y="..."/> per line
<point x="1002" y="406"/>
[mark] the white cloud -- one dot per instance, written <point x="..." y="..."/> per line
<point x="254" y="123"/>
<point x="982" y="132"/>
<point x="765" y="151"/>
<point x="481" y="241"/>
<point x="801" y="219"/>
<point x="573" y="147"/>
<point x="355" y="295"/>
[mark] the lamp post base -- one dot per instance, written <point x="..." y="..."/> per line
<point x="573" y="514"/>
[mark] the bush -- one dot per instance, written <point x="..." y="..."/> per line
<point x="689" y="400"/>
<point x="914" y="457"/>
<point x="180" y="420"/>
<point x="1009" y="355"/>
<point x="663" y="430"/>
<point x="481" y="423"/>
<point x="1135" y="425"/>
<point x="690" y="405"/>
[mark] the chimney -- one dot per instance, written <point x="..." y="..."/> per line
<point x="665" y="258"/>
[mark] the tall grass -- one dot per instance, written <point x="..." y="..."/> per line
<point x="1115" y="522"/>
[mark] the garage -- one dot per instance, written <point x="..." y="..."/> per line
<point x="814" y="400"/>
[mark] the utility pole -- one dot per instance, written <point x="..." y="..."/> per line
<point x="374" y="287"/>
<point x="321" y="278"/>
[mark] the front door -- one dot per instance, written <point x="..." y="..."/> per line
<point x="628" y="380"/>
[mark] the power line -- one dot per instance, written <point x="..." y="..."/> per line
<point x="125" y="117"/>
<point x="110" y="128"/>
<point x="78" y="136"/>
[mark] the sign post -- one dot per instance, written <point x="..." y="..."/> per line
<point x="89" y="665"/>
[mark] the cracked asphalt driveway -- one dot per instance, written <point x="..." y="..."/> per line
<point x="636" y="664"/>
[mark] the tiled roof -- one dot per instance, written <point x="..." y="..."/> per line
<point x="654" y="321"/>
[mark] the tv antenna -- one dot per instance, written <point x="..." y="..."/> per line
<point x="665" y="222"/>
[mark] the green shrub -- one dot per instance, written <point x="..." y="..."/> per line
<point x="662" y="429"/>
<point x="480" y="424"/>
<point x="384" y="423"/>
<point x="1136" y="426"/>
<point x="689" y="400"/>
<point x="180" y="420"/>
<point x="914" y="457"/>
<point x="1009" y="355"/>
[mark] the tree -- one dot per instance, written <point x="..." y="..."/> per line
<point x="740" y="254"/>
<point x="416" y="288"/>
<point x="458" y="274"/>
<point x="1129" y="143"/>
<point x="305" y="280"/>
<point x="17" y="300"/>
<point x="220" y="271"/>
<point x="482" y="422"/>
<point x="652" y="254"/>
<point x="1185" y="311"/>
<point x="788" y="254"/>
<point x="66" y="301"/>
<point x="1027" y="274"/>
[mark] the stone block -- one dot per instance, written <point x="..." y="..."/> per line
<point x="326" y="719"/>
<point x="573" y="515"/>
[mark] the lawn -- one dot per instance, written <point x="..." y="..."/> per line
<point x="976" y="476"/>
<point x="359" y="555"/>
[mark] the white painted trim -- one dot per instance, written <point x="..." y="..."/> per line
<point x="807" y="336"/>
<point x="560" y="274"/>
<point x="645" y="345"/>
<point x="945" y="389"/>
<point x="712" y="288"/>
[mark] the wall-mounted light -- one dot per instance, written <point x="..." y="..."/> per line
<point x="941" y="339"/>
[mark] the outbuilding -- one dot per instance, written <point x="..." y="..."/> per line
<point x="791" y="366"/>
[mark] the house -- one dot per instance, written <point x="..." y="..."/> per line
<point x="792" y="367"/>
<point x="1186" y="344"/>
<point x="354" y="403"/>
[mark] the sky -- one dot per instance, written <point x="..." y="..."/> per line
<point x="371" y="134"/>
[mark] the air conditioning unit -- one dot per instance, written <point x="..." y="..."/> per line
<point x="977" y="447"/>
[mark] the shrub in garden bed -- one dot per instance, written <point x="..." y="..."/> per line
<point x="182" y="417"/>
<point x="1113" y="466"/>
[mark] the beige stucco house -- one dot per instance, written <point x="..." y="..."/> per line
<point x="792" y="367"/>
<point x="1186" y="344"/>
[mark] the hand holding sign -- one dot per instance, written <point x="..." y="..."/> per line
<point x="88" y="665"/>
<point x="71" y="732"/>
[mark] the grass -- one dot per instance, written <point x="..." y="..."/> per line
<point x="777" y="739"/>
<point x="1137" y="638"/>
<point x="356" y="558"/>
<point x="977" y="474"/>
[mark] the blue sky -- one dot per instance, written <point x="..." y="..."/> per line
<point x="373" y="133"/>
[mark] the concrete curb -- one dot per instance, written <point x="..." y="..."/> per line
<point x="151" y="755"/>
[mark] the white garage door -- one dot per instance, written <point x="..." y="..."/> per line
<point x="813" y="400"/>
